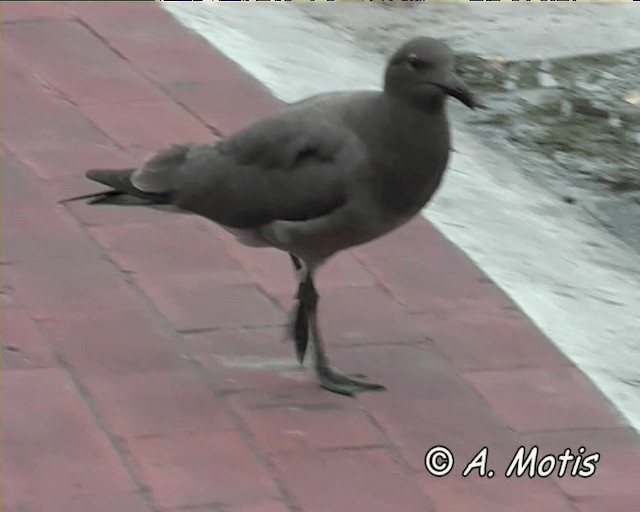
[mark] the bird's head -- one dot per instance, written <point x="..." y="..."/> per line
<point x="422" y="71"/>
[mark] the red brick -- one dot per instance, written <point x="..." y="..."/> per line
<point x="212" y="300"/>
<point x="106" y="215"/>
<point x="257" y="358"/>
<point x="477" y="339"/>
<point x="497" y="494"/>
<point x="21" y="11"/>
<point x="78" y="63"/>
<point x="272" y="268"/>
<point x="155" y="42"/>
<point x="111" y="502"/>
<point x="52" y="446"/>
<point x="20" y="187"/>
<point x="426" y="402"/>
<point x="202" y="79"/>
<point x="530" y="399"/>
<point x="300" y="419"/>
<point x="263" y="506"/>
<point x="189" y="470"/>
<point x="66" y="290"/>
<point x="24" y="346"/>
<point x="177" y="244"/>
<point x="427" y="273"/>
<point x="230" y="240"/>
<point x="7" y="295"/>
<point x="344" y="270"/>
<point x="259" y="506"/>
<point x="104" y="503"/>
<point x="363" y="315"/>
<point x="362" y="480"/>
<point x="155" y="404"/>
<point x="415" y="371"/>
<point x="462" y="426"/>
<point x="93" y="151"/>
<point x="38" y="127"/>
<point x="148" y="126"/>
<point x="275" y="273"/>
<point x="229" y="103"/>
<point x="45" y="234"/>
<point x="616" y="470"/>
<point x="609" y="504"/>
<point x="92" y="12"/>
<point x="90" y="307"/>
<point x="418" y="236"/>
<point x="53" y="163"/>
<point x="110" y="341"/>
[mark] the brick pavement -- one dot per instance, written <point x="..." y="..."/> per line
<point x="144" y="371"/>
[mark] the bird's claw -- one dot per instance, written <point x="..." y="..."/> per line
<point x="337" y="382"/>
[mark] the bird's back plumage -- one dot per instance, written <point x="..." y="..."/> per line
<point x="334" y="170"/>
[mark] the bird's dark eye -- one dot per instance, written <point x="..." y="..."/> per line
<point x="415" y="62"/>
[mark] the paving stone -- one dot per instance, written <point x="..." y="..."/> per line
<point x="52" y="447"/>
<point x="196" y="469"/>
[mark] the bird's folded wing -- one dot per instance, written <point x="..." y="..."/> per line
<point x="278" y="169"/>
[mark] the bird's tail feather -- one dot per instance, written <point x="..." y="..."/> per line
<point x="122" y="192"/>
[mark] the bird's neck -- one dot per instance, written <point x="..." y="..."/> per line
<point x="431" y="100"/>
<point x="412" y="125"/>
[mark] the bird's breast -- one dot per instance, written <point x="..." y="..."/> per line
<point x="408" y="175"/>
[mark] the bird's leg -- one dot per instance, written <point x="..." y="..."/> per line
<point x="298" y="329"/>
<point x="328" y="378"/>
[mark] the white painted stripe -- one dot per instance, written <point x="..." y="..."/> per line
<point x="577" y="283"/>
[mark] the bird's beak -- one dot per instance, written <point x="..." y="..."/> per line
<point x="454" y="86"/>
